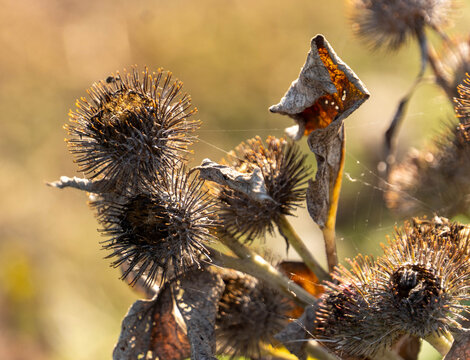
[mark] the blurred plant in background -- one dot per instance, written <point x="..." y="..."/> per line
<point x="59" y="298"/>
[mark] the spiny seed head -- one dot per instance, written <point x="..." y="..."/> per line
<point x="425" y="277"/>
<point x="159" y="233"/>
<point x="285" y="173"/>
<point x="433" y="180"/>
<point x="347" y="321"/>
<point x="250" y="314"/>
<point x="454" y="63"/>
<point x="462" y="103"/>
<point x="389" y="23"/>
<point x="134" y="126"/>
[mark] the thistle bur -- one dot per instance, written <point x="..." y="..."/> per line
<point x="284" y="172"/>
<point x="425" y="277"/>
<point x="162" y="232"/>
<point x="250" y="314"/>
<point x="134" y="126"/>
<point x="435" y="179"/>
<point x="347" y="320"/>
<point x="389" y="23"/>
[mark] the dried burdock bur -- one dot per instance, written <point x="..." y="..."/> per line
<point x="453" y="63"/>
<point x="348" y="320"/>
<point x="434" y="180"/>
<point x="460" y="349"/>
<point x="326" y="92"/>
<point x="424" y="278"/>
<point x="462" y="106"/>
<point x="250" y="314"/>
<point x="160" y="233"/>
<point x="151" y="330"/>
<point x="277" y="176"/>
<point x="197" y="296"/>
<point x="389" y="23"/>
<point x="296" y="334"/>
<point x="132" y="126"/>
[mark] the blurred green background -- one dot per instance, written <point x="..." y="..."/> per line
<point x="58" y="298"/>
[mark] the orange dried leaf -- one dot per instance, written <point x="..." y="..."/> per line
<point x="299" y="273"/>
<point x="150" y="330"/>
<point x="325" y="91"/>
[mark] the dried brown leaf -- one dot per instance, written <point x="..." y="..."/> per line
<point x="325" y="91"/>
<point x="408" y="347"/>
<point x="251" y="184"/>
<point x="150" y="331"/>
<point x="197" y="297"/>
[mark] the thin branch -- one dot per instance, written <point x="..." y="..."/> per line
<point x="254" y="265"/>
<point x="75" y="183"/>
<point x="441" y="343"/>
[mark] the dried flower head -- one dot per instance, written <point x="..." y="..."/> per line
<point x="162" y="232"/>
<point x="462" y="106"/>
<point x="134" y="126"/>
<point x="250" y="314"/>
<point x="454" y="63"/>
<point x="347" y="320"/>
<point x="284" y="172"/>
<point x="434" y="180"/>
<point x="389" y="23"/>
<point x="425" y="277"/>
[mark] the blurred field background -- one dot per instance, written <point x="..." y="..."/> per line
<point x="58" y="298"/>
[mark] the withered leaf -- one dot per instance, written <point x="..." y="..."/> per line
<point x="197" y="296"/>
<point x="299" y="273"/>
<point x="251" y="184"/>
<point x="150" y="330"/>
<point x="325" y="93"/>
<point x="408" y="347"/>
<point x="326" y="90"/>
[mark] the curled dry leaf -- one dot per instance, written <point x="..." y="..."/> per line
<point x="251" y="184"/>
<point x="197" y="297"/>
<point x="325" y="93"/>
<point x="299" y="273"/>
<point x="176" y="324"/>
<point x="326" y="90"/>
<point x="150" y="330"/>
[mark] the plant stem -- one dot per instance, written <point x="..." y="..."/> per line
<point x="441" y="343"/>
<point x="254" y="265"/>
<point x="329" y="228"/>
<point x="317" y="351"/>
<point x="289" y="233"/>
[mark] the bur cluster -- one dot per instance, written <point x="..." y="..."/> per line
<point x="418" y="287"/>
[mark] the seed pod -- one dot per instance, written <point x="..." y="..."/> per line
<point x="433" y="180"/>
<point x="133" y="127"/>
<point x="250" y="314"/>
<point x="285" y="173"/>
<point x="347" y="320"/>
<point x="389" y="23"/>
<point x="162" y="232"/>
<point x="424" y="278"/>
